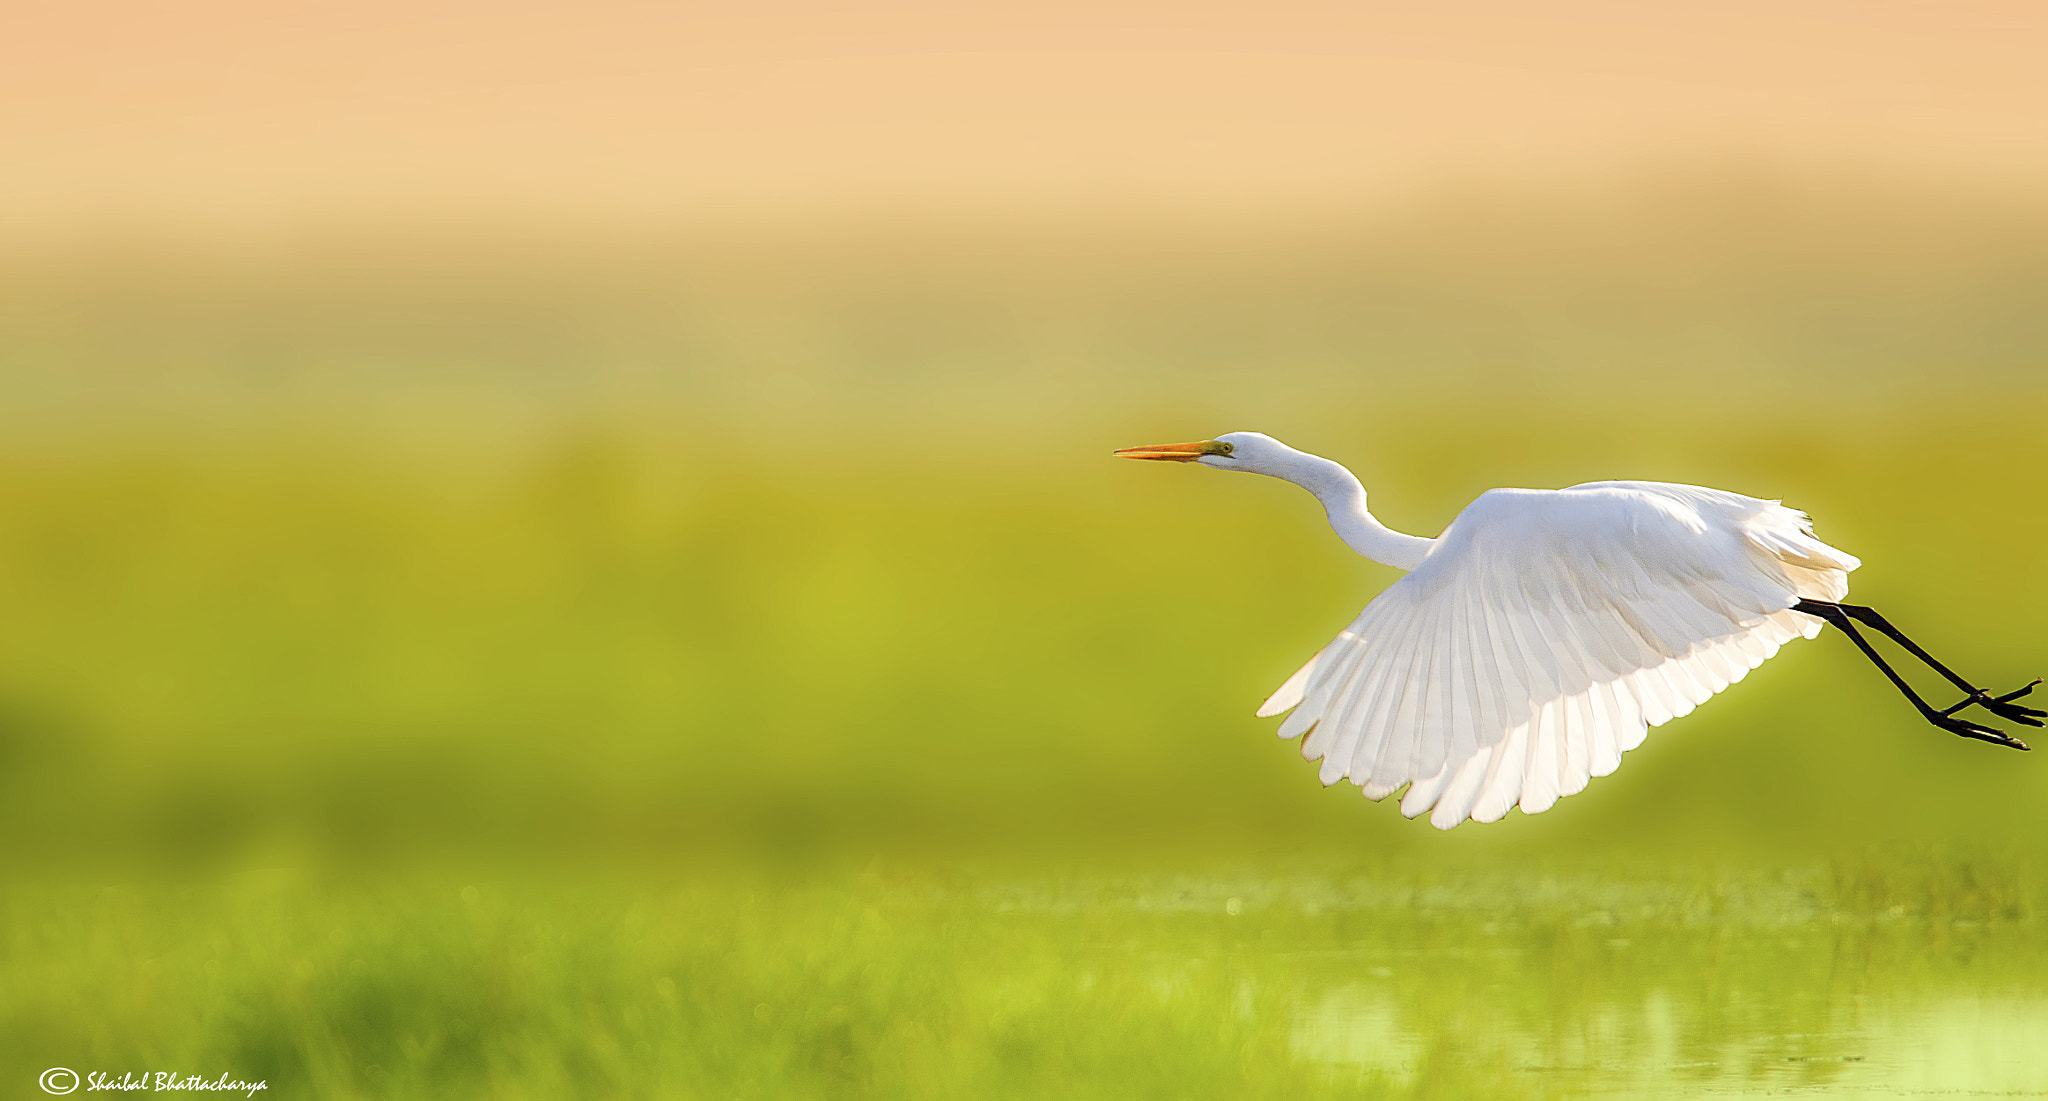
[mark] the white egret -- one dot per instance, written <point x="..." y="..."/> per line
<point x="1545" y="631"/>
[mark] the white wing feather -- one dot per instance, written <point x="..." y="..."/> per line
<point x="1542" y="636"/>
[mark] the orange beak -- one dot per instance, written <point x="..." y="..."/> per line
<point x="1173" y="452"/>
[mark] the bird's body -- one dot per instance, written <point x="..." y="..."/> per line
<point x="1542" y="634"/>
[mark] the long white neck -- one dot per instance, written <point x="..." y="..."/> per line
<point x="1343" y="499"/>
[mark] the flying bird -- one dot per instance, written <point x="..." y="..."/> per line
<point x="1546" y="630"/>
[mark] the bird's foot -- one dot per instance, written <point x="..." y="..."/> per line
<point x="2003" y="707"/>
<point x="1966" y="729"/>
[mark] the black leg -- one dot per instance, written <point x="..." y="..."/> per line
<point x="1844" y="617"/>
<point x="1869" y="618"/>
<point x="2001" y="706"/>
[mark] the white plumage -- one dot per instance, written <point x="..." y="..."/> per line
<point x="1540" y="636"/>
<point x="1545" y="632"/>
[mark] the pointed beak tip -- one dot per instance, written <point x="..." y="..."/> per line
<point x="1168" y="452"/>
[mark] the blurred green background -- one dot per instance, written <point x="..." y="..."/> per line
<point x="818" y="549"/>
<point x="571" y="551"/>
<point x="731" y="667"/>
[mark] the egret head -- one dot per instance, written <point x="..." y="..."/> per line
<point x="1251" y="452"/>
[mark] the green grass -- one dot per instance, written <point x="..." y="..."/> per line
<point x="1386" y="979"/>
<point x="648" y="640"/>
<point x="816" y="710"/>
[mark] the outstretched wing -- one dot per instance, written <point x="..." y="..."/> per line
<point x="1545" y="633"/>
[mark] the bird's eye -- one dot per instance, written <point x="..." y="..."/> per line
<point x="1225" y="448"/>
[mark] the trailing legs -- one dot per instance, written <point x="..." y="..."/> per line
<point x="1846" y="616"/>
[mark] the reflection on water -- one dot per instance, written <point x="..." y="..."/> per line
<point x="1925" y="978"/>
<point x="1956" y="1046"/>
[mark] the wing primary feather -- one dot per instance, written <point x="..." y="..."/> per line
<point x="1365" y="714"/>
<point x="1333" y="689"/>
<point x="1377" y="791"/>
<point x="1424" y="793"/>
<point x="1425" y="748"/>
<point x="1509" y="663"/>
<point x="1539" y="782"/>
<point x="1531" y="664"/>
<point x="1469" y="729"/>
<point x="1371" y="714"/>
<point x="1344" y="715"/>
<point x="1291" y="690"/>
<point x="1434" y="742"/>
<point x="1489" y="685"/>
<point x="1455" y="804"/>
<point x="1396" y="752"/>
<point x="1577" y="769"/>
<point x="1630" y="726"/>
<point x="1504" y="776"/>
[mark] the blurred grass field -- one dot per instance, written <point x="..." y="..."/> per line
<point x="1370" y="979"/>
<point x="728" y="668"/>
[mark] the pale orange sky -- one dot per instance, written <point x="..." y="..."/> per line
<point x="250" y="110"/>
